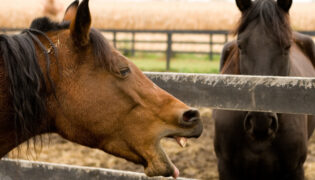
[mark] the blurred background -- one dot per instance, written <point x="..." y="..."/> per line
<point x="165" y="50"/>
<point x="157" y="35"/>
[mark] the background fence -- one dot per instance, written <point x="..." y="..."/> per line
<point x="127" y="41"/>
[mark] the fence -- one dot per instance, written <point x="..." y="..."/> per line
<point x="28" y="170"/>
<point x="294" y="95"/>
<point x="212" y="41"/>
<point x="169" y="34"/>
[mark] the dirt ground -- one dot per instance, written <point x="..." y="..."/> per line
<point x="197" y="160"/>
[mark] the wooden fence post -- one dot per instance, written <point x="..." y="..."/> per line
<point x="133" y="44"/>
<point x="169" y="50"/>
<point x="114" y="39"/>
<point x="211" y="46"/>
<point x="226" y="38"/>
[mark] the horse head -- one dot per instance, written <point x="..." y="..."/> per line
<point x="264" y="40"/>
<point x="108" y="103"/>
<point x="264" y="37"/>
<point x="96" y="97"/>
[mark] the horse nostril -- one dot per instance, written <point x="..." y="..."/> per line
<point x="190" y="117"/>
<point x="261" y="125"/>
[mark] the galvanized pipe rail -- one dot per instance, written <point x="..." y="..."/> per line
<point x="30" y="170"/>
<point x="293" y="95"/>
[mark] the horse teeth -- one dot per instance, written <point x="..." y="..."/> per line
<point x="181" y="141"/>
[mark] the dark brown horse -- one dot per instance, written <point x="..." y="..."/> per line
<point x="66" y="78"/>
<point x="257" y="145"/>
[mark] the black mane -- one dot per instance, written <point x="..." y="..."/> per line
<point x="271" y="18"/>
<point x="44" y="24"/>
<point x="27" y="84"/>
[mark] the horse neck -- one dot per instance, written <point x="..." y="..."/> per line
<point x="8" y="137"/>
<point x="232" y="63"/>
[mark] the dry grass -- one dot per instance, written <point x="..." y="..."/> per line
<point x="150" y="15"/>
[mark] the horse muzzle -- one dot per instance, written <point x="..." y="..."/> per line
<point x="261" y="125"/>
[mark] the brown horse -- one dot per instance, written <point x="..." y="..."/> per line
<point x="257" y="145"/>
<point x="66" y="78"/>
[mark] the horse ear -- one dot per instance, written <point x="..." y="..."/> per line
<point x="285" y="4"/>
<point x="243" y="5"/>
<point x="71" y="11"/>
<point x="80" y="26"/>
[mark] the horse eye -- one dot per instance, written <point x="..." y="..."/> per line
<point x="124" y="71"/>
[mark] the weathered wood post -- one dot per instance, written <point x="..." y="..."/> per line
<point x="133" y="44"/>
<point x="169" y="50"/>
<point x="114" y="38"/>
<point x="211" y="46"/>
<point x="226" y="35"/>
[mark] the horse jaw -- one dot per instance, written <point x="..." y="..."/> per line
<point x="159" y="164"/>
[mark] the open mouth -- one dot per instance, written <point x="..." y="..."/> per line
<point x="157" y="162"/>
<point x="161" y="165"/>
<point x="182" y="142"/>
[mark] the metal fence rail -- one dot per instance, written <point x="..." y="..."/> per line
<point x="170" y="42"/>
<point x="293" y="95"/>
<point x="30" y="170"/>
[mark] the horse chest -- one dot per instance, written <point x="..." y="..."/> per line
<point x="262" y="163"/>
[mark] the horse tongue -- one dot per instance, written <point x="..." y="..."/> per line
<point x="176" y="172"/>
<point x="181" y="141"/>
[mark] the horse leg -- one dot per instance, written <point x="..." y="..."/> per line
<point x="292" y="146"/>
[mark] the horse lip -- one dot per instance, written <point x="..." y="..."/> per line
<point x="189" y="132"/>
<point x="166" y="166"/>
<point x="195" y="119"/>
<point x="195" y="133"/>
